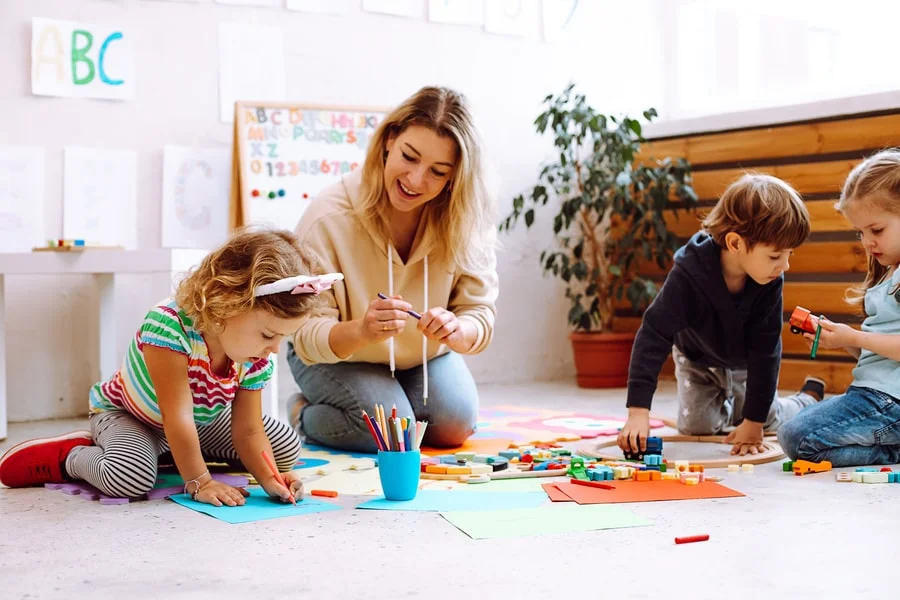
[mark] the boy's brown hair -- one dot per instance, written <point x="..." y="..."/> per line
<point x="761" y="209"/>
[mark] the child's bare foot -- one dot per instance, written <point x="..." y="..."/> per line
<point x="813" y="386"/>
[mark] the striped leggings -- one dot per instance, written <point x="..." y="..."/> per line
<point x="123" y="461"/>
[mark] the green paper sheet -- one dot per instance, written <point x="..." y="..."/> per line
<point x="259" y="507"/>
<point x="543" y="520"/>
<point x="442" y="501"/>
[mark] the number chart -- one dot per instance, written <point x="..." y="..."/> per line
<point x="284" y="154"/>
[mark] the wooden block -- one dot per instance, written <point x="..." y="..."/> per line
<point x="477" y="469"/>
<point x="856" y="477"/>
<point x="875" y="478"/>
<point x="437" y="469"/>
<point x="459" y="470"/>
<point x="655" y="476"/>
<point x="844" y="477"/>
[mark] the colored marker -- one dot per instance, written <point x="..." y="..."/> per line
<point x="692" y="538"/>
<point x="815" y="345"/>
<point x="411" y="313"/>
<point x="593" y="484"/>
<point x="278" y="476"/>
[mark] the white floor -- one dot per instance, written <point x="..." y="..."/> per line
<point x="790" y="537"/>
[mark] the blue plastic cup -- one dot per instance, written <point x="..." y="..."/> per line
<point x="399" y="474"/>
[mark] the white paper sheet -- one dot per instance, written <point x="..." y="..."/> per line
<point x="81" y="60"/>
<point x="512" y="17"/>
<point x="100" y="196"/>
<point x="251" y="65"/>
<point x="399" y="8"/>
<point x="21" y="198"/>
<point x="195" y="196"/>
<point x="457" y="12"/>
<point x="326" y="7"/>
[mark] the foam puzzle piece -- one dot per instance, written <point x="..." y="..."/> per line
<point x="545" y="425"/>
<point x="163" y="489"/>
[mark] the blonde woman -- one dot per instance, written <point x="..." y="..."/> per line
<point x="415" y="224"/>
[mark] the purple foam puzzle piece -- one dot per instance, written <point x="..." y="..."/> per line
<point x="89" y="492"/>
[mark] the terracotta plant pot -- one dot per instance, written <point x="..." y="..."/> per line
<point x="601" y="359"/>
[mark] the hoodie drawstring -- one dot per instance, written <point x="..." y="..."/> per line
<point x="424" y="339"/>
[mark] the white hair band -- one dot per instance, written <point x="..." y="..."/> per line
<point x="301" y="284"/>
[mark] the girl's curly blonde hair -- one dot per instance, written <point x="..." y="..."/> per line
<point x="223" y="285"/>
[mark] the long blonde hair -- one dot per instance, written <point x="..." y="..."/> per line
<point x="461" y="219"/>
<point x="223" y="285"/>
<point x="874" y="182"/>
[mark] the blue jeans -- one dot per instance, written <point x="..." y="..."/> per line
<point x="338" y="393"/>
<point x="859" y="427"/>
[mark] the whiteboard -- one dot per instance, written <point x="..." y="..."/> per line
<point x="285" y="154"/>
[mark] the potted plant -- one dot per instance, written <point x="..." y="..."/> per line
<point x="610" y="221"/>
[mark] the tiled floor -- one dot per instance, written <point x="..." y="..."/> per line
<point x="790" y="538"/>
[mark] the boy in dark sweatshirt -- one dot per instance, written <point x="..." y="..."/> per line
<point x="720" y="314"/>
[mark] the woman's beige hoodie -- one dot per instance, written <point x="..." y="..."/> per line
<point x="331" y="229"/>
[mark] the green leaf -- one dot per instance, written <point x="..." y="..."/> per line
<point x="615" y="270"/>
<point x="529" y="217"/>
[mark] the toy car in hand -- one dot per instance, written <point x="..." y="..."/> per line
<point x="801" y="321"/>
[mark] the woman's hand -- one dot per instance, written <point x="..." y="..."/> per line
<point x="218" y="493"/>
<point x="385" y="318"/>
<point x="442" y="325"/>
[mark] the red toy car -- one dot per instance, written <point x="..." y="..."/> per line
<point x="801" y="321"/>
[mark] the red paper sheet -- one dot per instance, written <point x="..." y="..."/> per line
<point x="555" y="494"/>
<point x="644" y="491"/>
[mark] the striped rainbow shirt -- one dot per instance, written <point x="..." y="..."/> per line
<point x="167" y="326"/>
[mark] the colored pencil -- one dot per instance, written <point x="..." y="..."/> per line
<point x="411" y="313"/>
<point x="278" y="476"/>
<point x="815" y="344"/>
<point x="371" y="425"/>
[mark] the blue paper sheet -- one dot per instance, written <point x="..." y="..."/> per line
<point x="259" y="507"/>
<point x="442" y="501"/>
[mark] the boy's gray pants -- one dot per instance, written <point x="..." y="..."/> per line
<point x="711" y="400"/>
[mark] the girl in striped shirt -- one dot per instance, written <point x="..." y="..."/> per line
<point x="191" y="383"/>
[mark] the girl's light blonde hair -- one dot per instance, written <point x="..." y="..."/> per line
<point x="461" y="218"/>
<point x="875" y="182"/>
<point x="223" y="285"/>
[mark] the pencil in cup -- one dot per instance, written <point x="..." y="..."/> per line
<point x="394" y="434"/>
<point x="411" y="313"/>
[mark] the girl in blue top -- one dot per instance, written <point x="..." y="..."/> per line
<point x="862" y="426"/>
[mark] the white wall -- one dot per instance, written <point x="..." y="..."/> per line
<point x="359" y="59"/>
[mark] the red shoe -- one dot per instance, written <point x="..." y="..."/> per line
<point x="40" y="460"/>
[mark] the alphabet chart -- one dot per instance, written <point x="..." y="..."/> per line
<point x="284" y="154"/>
<point x="79" y="60"/>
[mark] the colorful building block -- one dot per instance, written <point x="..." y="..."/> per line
<point x="804" y="467"/>
<point x="875" y="478"/>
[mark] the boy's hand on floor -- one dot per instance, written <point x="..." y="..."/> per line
<point x="633" y="435"/>
<point x="747" y="438"/>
